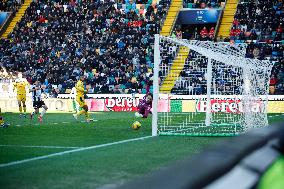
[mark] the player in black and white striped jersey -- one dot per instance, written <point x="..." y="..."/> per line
<point x="36" y="90"/>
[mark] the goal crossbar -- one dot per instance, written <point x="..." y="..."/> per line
<point x="220" y="52"/>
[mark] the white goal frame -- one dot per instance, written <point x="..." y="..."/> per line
<point x="229" y="54"/>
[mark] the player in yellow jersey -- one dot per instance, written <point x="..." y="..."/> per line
<point x="80" y="93"/>
<point x="20" y="85"/>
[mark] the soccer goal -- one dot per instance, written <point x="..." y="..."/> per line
<point x="204" y="88"/>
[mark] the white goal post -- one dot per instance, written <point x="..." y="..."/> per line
<point x="213" y="90"/>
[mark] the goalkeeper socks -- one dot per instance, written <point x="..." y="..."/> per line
<point x="20" y="109"/>
<point x="81" y="112"/>
<point x="25" y="109"/>
<point x="43" y="112"/>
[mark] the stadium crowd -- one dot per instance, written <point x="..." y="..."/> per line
<point x="56" y="41"/>
<point x="111" y="42"/>
<point x="10" y="5"/>
<point x="193" y="81"/>
<point x="273" y="52"/>
<point x="258" y="23"/>
<point x="258" y="20"/>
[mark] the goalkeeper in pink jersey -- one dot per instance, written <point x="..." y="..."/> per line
<point x="145" y="105"/>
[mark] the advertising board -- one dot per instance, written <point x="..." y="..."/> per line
<point x="167" y="103"/>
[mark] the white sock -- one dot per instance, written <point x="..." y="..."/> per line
<point x="43" y="112"/>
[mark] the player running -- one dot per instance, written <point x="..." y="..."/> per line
<point x="80" y="93"/>
<point x="38" y="103"/>
<point x="20" y="86"/>
<point x="145" y="105"/>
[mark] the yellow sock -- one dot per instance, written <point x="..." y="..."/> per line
<point x="81" y="112"/>
<point x="87" y="115"/>
<point x="25" y="109"/>
<point x="20" y="109"/>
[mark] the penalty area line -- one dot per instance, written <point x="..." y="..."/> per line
<point x="27" y="146"/>
<point x="71" y="151"/>
<point x="57" y="123"/>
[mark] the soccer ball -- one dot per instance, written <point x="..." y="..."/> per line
<point x="136" y="125"/>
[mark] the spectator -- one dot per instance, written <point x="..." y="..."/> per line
<point x="204" y="34"/>
<point x="272" y="84"/>
<point x="211" y="33"/>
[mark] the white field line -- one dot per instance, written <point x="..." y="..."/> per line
<point x="57" y="123"/>
<point x="24" y="146"/>
<point x="71" y="151"/>
<point x="276" y="115"/>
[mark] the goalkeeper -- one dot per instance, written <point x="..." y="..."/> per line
<point x="145" y="105"/>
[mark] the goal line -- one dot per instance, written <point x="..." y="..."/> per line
<point x="71" y="151"/>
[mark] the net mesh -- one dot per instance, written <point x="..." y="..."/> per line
<point x="210" y="88"/>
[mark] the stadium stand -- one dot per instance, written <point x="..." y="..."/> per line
<point x="261" y="22"/>
<point x="10" y="5"/>
<point x="258" y="23"/>
<point x="111" y="43"/>
<point x="16" y="17"/>
<point x="258" y="20"/>
<point x="192" y="79"/>
<point x="227" y="18"/>
<point x="56" y="39"/>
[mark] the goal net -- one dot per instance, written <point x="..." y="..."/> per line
<point x="203" y="88"/>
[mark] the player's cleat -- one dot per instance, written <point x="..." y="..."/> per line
<point x="137" y="114"/>
<point x="89" y="120"/>
<point x="25" y="115"/>
<point x="40" y="119"/>
<point x="20" y="115"/>
<point x="5" y="125"/>
<point x="31" y="115"/>
<point x="75" y="116"/>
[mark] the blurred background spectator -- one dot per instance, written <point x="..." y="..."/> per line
<point x="10" y="5"/>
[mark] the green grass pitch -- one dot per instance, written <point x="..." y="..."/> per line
<point x="102" y="167"/>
